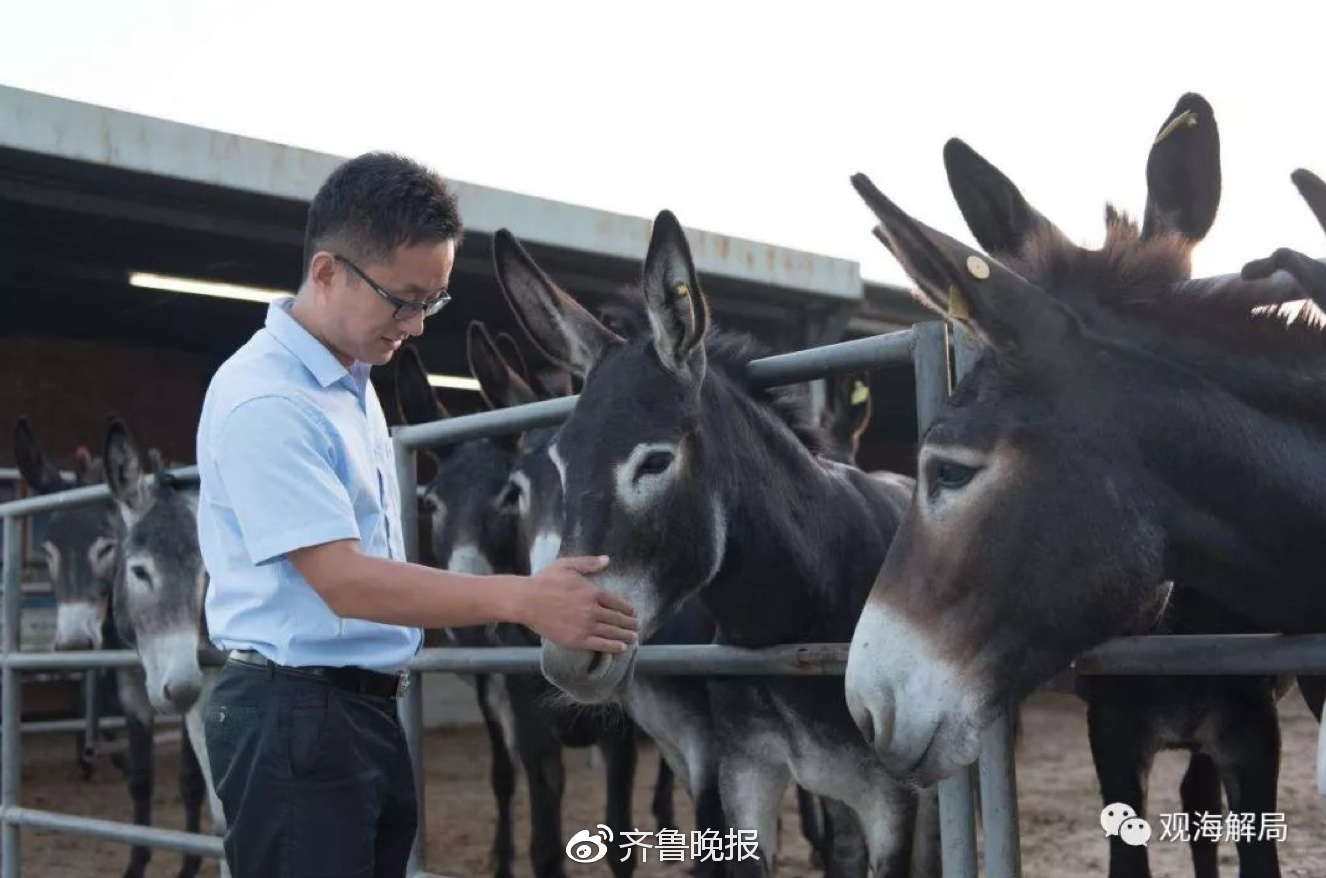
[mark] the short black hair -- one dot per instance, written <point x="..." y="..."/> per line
<point x="372" y="204"/>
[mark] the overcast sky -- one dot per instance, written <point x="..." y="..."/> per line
<point x="739" y="119"/>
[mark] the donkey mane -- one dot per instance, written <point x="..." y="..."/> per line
<point x="1144" y="282"/>
<point x="729" y="352"/>
<point x="1126" y="269"/>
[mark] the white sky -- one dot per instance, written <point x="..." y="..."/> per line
<point x="740" y="119"/>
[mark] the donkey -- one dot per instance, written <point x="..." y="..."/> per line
<point x="674" y="711"/>
<point x="1230" y="725"/>
<point x="1125" y="428"/>
<point x="81" y="547"/>
<point x="697" y="484"/>
<point x="157" y="598"/>
<point x="846" y="415"/>
<point x="1308" y="277"/>
<point x="474" y="531"/>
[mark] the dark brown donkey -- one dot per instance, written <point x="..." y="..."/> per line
<point x="1125" y="428"/>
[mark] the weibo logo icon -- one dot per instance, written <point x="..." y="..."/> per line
<point x="587" y="847"/>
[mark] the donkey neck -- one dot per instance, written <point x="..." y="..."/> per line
<point x="805" y="537"/>
<point x="1242" y="488"/>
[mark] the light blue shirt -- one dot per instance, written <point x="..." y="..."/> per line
<point x="293" y="451"/>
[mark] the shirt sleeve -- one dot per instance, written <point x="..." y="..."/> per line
<point x="277" y="464"/>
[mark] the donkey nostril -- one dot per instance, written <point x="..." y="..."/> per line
<point x="865" y="721"/>
<point x="595" y="662"/>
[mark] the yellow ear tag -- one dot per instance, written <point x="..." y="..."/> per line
<point x="683" y="289"/>
<point x="860" y="393"/>
<point x="958" y="308"/>
<point x="1187" y="117"/>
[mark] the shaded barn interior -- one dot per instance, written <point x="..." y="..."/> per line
<point x="90" y="195"/>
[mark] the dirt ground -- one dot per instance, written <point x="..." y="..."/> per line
<point x="1058" y="800"/>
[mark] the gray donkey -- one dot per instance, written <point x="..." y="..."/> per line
<point x="157" y="598"/>
<point x="81" y="549"/>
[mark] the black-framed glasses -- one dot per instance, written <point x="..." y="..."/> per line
<point x="403" y="309"/>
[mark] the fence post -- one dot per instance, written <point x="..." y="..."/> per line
<point x="957" y="811"/>
<point x="410" y="708"/>
<point x="998" y="769"/>
<point x="10" y="756"/>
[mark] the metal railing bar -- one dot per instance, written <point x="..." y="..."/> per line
<point x="110" y="830"/>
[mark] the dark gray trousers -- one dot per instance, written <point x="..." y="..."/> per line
<point x="315" y="781"/>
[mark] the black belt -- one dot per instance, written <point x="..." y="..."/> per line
<point x="361" y="681"/>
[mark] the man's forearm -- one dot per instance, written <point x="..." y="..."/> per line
<point x="360" y="586"/>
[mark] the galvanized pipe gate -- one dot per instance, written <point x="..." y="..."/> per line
<point x="926" y="347"/>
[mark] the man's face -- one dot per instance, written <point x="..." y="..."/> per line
<point x="359" y="321"/>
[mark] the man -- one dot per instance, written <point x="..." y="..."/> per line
<point x="300" y="530"/>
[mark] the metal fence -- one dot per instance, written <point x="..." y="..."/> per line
<point x="924" y="346"/>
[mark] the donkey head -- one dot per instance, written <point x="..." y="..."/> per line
<point x="1308" y="275"/>
<point x="80" y="544"/>
<point x="630" y="457"/>
<point x="1035" y="531"/>
<point x="472" y="532"/>
<point x="161" y="580"/>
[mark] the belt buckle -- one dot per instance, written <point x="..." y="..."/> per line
<point x="402" y="683"/>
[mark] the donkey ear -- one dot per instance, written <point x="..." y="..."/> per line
<point x="161" y="471"/>
<point x="40" y="474"/>
<point x="498" y="382"/>
<point x="554" y="383"/>
<point x="415" y="400"/>
<point x="1183" y="173"/>
<point x="559" y="327"/>
<point x="1004" y="310"/>
<point x="995" y="210"/>
<point x="677" y="308"/>
<point x="510" y="351"/>
<point x="1313" y="190"/>
<point x="84" y="466"/>
<point x="124" y="470"/>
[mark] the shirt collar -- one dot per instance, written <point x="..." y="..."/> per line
<point x="321" y="363"/>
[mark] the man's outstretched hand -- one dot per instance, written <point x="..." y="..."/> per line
<point x="562" y="606"/>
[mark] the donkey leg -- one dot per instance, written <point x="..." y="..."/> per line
<point x="664" y="815"/>
<point x="194" y="726"/>
<point x="879" y="819"/>
<point x="709" y="816"/>
<point x="545" y="776"/>
<point x="192" y="788"/>
<point x="494" y="706"/>
<point x="139" y="762"/>
<point x="812" y="826"/>
<point x="1247" y="755"/>
<point x="619" y="756"/>
<point x="1313" y="690"/>
<point x="844" y="842"/>
<point x="1200" y="792"/>
<point x="139" y="772"/>
<point x="926" y="855"/>
<point x="1122" y="748"/>
<point x="752" y="792"/>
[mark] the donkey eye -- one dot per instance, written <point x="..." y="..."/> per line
<point x="510" y="495"/>
<point x="949" y="475"/>
<point x="140" y="573"/>
<point x="655" y="462"/>
<point x="105" y="551"/>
